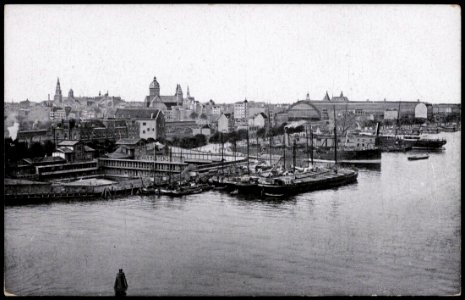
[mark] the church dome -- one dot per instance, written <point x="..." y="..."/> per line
<point x="154" y="84"/>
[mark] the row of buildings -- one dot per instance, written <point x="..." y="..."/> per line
<point x="182" y="115"/>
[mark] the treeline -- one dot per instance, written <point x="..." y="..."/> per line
<point x="198" y="140"/>
<point x="15" y="150"/>
<point x="241" y="134"/>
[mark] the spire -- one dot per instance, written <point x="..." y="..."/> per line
<point x="342" y="95"/>
<point x="178" y="90"/>
<point x="326" y="98"/>
<point x="58" y="97"/>
<point x="188" y="94"/>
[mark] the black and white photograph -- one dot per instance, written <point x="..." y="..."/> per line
<point x="232" y="150"/>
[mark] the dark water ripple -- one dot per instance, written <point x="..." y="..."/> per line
<point x="397" y="231"/>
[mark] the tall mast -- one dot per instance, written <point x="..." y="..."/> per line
<point x="248" y="170"/>
<point x="293" y="157"/>
<point x="222" y="152"/>
<point x="284" y="150"/>
<point x="398" y="117"/>
<point x="235" y="148"/>
<point x="306" y="141"/>
<point x="311" y="144"/>
<point x="171" y="159"/>
<point x="269" y="131"/>
<point x="335" y="136"/>
<point x="258" y="146"/>
<point x="154" y="160"/>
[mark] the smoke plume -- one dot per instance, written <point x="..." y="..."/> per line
<point x="11" y="122"/>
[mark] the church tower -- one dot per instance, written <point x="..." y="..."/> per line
<point x="178" y="94"/>
<point x="154" y="92"/>
<point x="154" y="88"/>
<point x="58" y="98"/>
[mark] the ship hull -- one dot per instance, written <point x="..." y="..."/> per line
<point x="310" y="184"/>
<point x="363" y="157"/>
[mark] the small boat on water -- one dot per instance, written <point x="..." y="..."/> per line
<point x="417" y="157"/>
<point x="273" y="195"/>
<point x="179" y="191"/>
<point x="243" y="184"/>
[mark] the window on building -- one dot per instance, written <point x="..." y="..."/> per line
<point x="143" y="131"/>
<point x="143" y="124"/>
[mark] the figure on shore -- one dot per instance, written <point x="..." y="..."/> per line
<point x="121" y="284"/>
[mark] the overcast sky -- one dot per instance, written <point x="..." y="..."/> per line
<point x="274" y="53"/>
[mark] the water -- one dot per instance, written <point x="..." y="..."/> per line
<point x="395" y="232"/>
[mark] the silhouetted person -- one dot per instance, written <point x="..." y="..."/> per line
<point x="121" y="284"/>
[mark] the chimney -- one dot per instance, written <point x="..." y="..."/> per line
<point x="48" y="97"/>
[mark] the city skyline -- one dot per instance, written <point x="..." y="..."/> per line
<point x="272" y="53"/>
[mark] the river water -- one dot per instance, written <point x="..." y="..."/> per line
<point x="397" y="231"/>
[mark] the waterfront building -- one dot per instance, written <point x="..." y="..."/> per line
<point x="73" y="150"/>
<point x="35" y="135"/>
<point x="240" y="112"/>
<point x="131" y="147"/>
<point x="57" y="113"/>
<point x="150" y="122"/>
<point x="225" y="123"/>
<point x="391" y="114"/>
<point x="179" y="129"/>
<point x="362" y="109"/>
<point x="259" y="120"/>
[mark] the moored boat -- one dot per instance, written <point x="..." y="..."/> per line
<point x="391" y="143"/>
<point x="423" y="142"/>
<point x="417" y="157"/>
<point x="349" y="156"/>
<point x="315" y="179"/>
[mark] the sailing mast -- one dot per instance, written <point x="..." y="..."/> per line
<point x="269" y="132"/>
<point x="311" y="145"/>
<point x="180" y="160"/>
<point x="306" y="142"/>
<point x="154" y="160"/>
<point x="335" y="136"/>
<point x="248" y="169"/>
<point x="293" y="157"/>
<point x="258" y="146"/>
<point x="171" y="159"/>
<point x="284" y="150"/>
<point x="398" y="117"/>
<point x="222" y="152"/>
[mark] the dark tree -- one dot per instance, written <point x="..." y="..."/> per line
<point x="261" y="132"/>
<point x="194" y="115"/>
<point x="200" y="140"/>
<point x="49" y="147"/>
<point x="36" y="150"/>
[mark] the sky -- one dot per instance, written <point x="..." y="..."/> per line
<point x="228" y="53"/>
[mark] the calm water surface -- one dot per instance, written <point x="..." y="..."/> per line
<point x="395" y="232"/>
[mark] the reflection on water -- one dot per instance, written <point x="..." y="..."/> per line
<point x="396" y="231"/>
